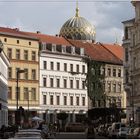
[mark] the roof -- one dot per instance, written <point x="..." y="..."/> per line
<point x="115" y="49"/>
<point x="15" y="33"/>
<point x="98" y="52"/>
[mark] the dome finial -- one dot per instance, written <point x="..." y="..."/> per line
<point x="77" y="10"/>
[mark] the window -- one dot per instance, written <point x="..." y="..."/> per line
<point x="58" y="100"/>
<point x="77" y="68"/>
<point x="51" y="99"/>
<point x="71" y="67"/>
<point x="9" y="93"/>
<point x="18" y="92"/>
<point x="119" y="73"/>
<point x="83" y="69"/>
<point x="119" y="87"/>
<point x="114" y="87"/>
<point x="51" y="82"/>
<point x="114" y="72"/>
<point x="52" y="67"/>
<point x="58" y="66"/>
<point x="17" y="54"/>
<point x="33" y="74"/>
<point x="71" y="83"/>
<point x="58" y="82"/>
<point x="65" y="100"/>
<point x="33" y="94"/>
<point x="26" y="93"/>
<point x="17" y="41"/>
<point x="44" y="82"/>
<point x="25" y="55"/>
<point x="83" y="101"/>
<point x="5" y="39"/>
<point x="83" y="84"/>
<point x="33" y="55"/>
<point x="71" y="100"/>
<point x="109" y="72"/>
<point x="17" y="69"/>
<point x="65" y="83"/>
<point x="65" y="66"/>
<point x="9" y="53"/>
<point x="109" y="87"/>
<point x="126" y="33"/>
<point x="126" y="54"/>
<point x="77" y="84"/>
<point x="26" y="74"/>
<point x="44" y="64"/>
<point x="29" y="43"/>
<point x="9" y="72"/>
<point x="77" y="100"/>
<point x="44" y="100"/>
<point x="126" y="76"/>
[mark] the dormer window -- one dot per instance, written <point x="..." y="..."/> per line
<point x="63" y="49"/>
<point x="72" y="50"/>
<point x="44" y="46"/>
<point x="82" y="52"/>
<point x="53" y="48"/>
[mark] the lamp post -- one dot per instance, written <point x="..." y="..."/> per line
<point x="18" y="72"/>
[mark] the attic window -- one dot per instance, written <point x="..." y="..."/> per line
<point x="17" y="41"/>
<point x="29" y="43"/>
<point x="63" y="49"/>
<point x="5" y="39"/>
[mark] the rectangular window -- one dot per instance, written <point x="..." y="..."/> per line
<point x="26" y="93"/>
<point x="119" y="87"/>
<point x="109" y="87"/>
<point x="52" y="67"/>
<point x="9" y="53"/>
<point x="126" y="54"/>
<point x="51" y="99"/>
<point x="58" y="66"/>
<point x="26" y="74"/>
<point x="71" y="84"/>
<point x="65" y="66"/>
<point x="119" y="73"/>
<point x="109" y="72"/>
<point x="44" y="82"/>
<point x="44" y="100"/>
<point x="77" y="68"/>
<point x="71" y="67"/>
<point x="17" y="69"/>
<point x="17" y="41"/>
<point x="71" y="100"/>
<point x="77" y="84"/>
<point x="33" y="55"/>
<point x="33" y="74"/>
<point x="114" y="72"/>
<point x="5" y="39"/>
<point x="17" y="54"/>
<point x="33" y="94"/>
<point x="83" y="101"/>
<point x="114" y="87"/>
<point x="9" y="72"/>
<point x="58" y="83"/>
<point x="51" y="82"/>
<point x="65" y="100"/>
<point x="58" y="100"/>
<point x="83" y="84"/>
<point x="83" y="69"/>
<point x="44" y="64"/>
<point x="65" y="83"/>
<point x="77" y="100"/>
<point x="29" y="43"/>
<point x="25" y="55"/>
<point x="9" y="93"/>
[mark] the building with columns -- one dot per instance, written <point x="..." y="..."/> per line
<point x="4" y="64"/>
<point x="131" y="45"/>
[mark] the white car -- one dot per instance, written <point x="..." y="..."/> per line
<point x="123" y="131"/>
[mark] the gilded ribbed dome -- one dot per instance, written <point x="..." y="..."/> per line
<point x="78" y="28"/>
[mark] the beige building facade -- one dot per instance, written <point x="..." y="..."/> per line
<point x="22" y="51"/>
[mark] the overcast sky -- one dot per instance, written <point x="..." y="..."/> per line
<point x="48" y="16"/>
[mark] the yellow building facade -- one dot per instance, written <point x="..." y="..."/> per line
<point x="22" y="51"/>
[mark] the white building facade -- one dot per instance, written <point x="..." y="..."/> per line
<point x="62" y="82"/>
<point x="4" y="64"/>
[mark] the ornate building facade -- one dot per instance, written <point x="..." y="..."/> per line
<point x="131" y="45"/>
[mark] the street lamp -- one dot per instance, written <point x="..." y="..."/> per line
<point x="18" y="72"/>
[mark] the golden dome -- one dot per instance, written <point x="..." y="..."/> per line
<point x="78" y="28"/>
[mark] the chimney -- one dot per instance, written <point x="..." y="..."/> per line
<point x="38" y="32"/>
<point x="16" y="29"/>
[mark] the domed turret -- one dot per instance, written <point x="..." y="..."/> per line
<point x="78" y="28"/>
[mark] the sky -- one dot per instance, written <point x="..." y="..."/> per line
<point x="48" y="16"/>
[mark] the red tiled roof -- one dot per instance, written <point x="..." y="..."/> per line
<point x="97" y="52"/>
<point x="116" y="49"/>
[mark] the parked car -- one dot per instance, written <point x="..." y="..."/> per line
<point x="75" y="127"/>
<point x="122" y="132"/>
<point x="28" y="134"/>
